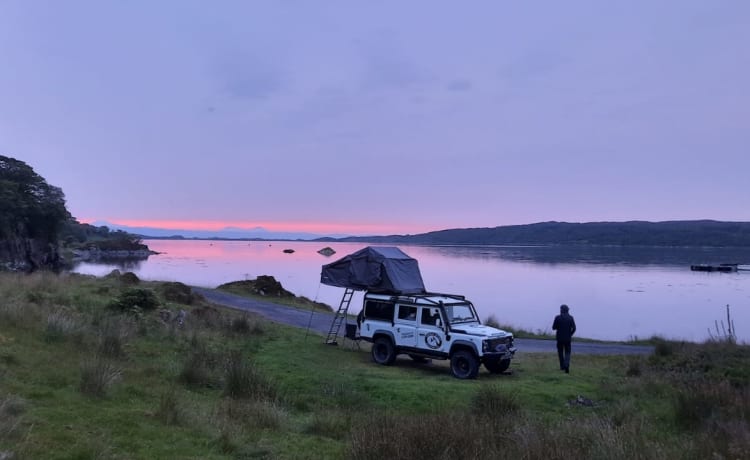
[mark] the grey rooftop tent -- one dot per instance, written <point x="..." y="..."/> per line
<point x="375" y="269"/>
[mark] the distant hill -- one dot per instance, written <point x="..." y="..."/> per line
<point x="706" y="233"/>
<point x="227" y="233"/>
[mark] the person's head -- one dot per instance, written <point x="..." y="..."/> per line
<point x="564" y="308"/>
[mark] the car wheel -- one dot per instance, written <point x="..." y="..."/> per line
<point x="383" y="351"/>
<point x="464" y="365"/>
<point x="497" y="366"/>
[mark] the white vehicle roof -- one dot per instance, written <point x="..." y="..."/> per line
<point x="427" y="299"/>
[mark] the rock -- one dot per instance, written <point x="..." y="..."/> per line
<point x="581" y="401"/>
<point x="173" y="291"/>
<point x="327" y="251"/>
<point x="129" y="278"/>
<point x="288" y="251"/>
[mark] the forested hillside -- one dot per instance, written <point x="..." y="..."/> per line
<point x="707" y="233"/>
<point x="35" y="223"/>
<point x="32" y="213"/>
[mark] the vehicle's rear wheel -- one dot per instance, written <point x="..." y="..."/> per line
<point x="497" y="366"/>
<point x="419" y="359"/>
<point x="464" y="365"/>
<point x="383" y="351"/>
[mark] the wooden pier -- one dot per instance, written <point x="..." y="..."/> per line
<point x="723" y="268"/>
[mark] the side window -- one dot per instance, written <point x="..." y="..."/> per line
<point x="407" y="313"/>
<point x="379" y="310"/>
<point x="431" y="317"/>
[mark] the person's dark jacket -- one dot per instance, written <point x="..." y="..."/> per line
<point x="565" y="326"/>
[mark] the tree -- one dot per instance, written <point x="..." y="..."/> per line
<point x="30" y="208"/>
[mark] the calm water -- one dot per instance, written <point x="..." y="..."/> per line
<point x="613" y="293"/>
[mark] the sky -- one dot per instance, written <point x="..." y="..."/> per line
<point x="389" y="117"/>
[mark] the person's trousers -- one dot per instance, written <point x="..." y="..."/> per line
<point x="563" y="353"/>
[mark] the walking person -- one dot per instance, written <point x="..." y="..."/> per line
<point x="565" y="326"/>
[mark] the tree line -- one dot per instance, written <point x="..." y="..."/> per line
<point x="35" y="222"/>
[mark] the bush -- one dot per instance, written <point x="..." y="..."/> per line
<point x="634" y="367"/>
<point x="251" y="415"/>
<point x="113" y="333"/>
<point x="199" y="366"/>
<point x="129" y="278"/>
<point x="177" y="292"/>
<point x="11" y="409"/>
<point x="331" y="424"/>
<point x="242" y="380"/>
<point x="490" y="402"/>
<point x="169" y="410"/>
<point x="61" y="326"/>
<point x="492" y="321"/>
<point x="135" y="298"/>
<point x="97" y="375"/>
<point x="244" y="325"/>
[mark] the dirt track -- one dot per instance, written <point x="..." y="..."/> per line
<point x="320" y="323"/>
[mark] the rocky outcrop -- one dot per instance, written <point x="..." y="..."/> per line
<point x="26" y="254"/>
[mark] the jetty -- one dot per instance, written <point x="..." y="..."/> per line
<point x="723" y="268"/>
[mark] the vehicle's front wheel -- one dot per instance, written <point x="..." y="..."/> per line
<point x="497" y="366"/>
<point x="464" y="365"/>
<point x="383" y="351"/>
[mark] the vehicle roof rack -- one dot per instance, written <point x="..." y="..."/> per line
<point x="427" y="297"/>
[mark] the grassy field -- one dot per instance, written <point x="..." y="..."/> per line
<point x="108" y="368"/>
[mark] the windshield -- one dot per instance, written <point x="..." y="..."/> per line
<point x="461" y="313"/>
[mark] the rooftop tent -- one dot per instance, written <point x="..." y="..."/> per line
<point x="376" y="269"/>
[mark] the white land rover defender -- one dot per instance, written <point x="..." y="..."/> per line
<point x="430" y="325"/>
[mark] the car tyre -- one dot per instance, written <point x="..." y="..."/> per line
<point x="464" y="365"/>
<point x="497" y="366"/>
<point x="383" y="351"/>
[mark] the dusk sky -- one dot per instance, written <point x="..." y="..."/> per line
<point x="362" y="117"/>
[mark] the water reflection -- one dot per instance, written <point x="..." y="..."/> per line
<point x="122" y="264"/>
<point x="614" y="293"/>
<point x="610" y="255"/>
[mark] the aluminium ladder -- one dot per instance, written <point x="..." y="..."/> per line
<point x="339" y="317"/>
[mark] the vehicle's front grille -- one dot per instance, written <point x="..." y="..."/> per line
<point x="500" y="344"/>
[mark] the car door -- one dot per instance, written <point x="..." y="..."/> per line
<point x="405" y="324"/>
<point x="430" y="331"/>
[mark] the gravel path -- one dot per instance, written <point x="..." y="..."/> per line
<point x="320" y="322"/>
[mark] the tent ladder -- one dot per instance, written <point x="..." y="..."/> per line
<point x="340" y="317"/>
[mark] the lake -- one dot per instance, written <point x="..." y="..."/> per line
<point x="613" y="293"/>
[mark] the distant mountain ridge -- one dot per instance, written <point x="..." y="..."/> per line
<point x="693" y="233"/>
<point x="705" y="233"/>
<point x="230" y="233"/>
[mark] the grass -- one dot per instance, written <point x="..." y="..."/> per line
<point x="81" y="380"/>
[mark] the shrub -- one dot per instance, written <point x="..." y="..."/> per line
<point x="60" y="326"/>
<point x="177" y="292"/>
<point x="199" y="366"/>
<point x="244" y="325"/>
<point x="490" y="402"/>
<point x="129" y="278"/>
<point x="11" y="409"/>
<point x="492" y="322"/>
<point x="113" y="333"/>
<point x="250" y="414"/>
<point x="242" y="380"/>
<point x="634" y="367"/>
<point x="97" y="375"/>
<point x="663" y="348"/>
<point x="169" y="410"/>
<point x="435" y="436"/>
<point x="331" y="424"/>
<point x="133" y="298"/>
